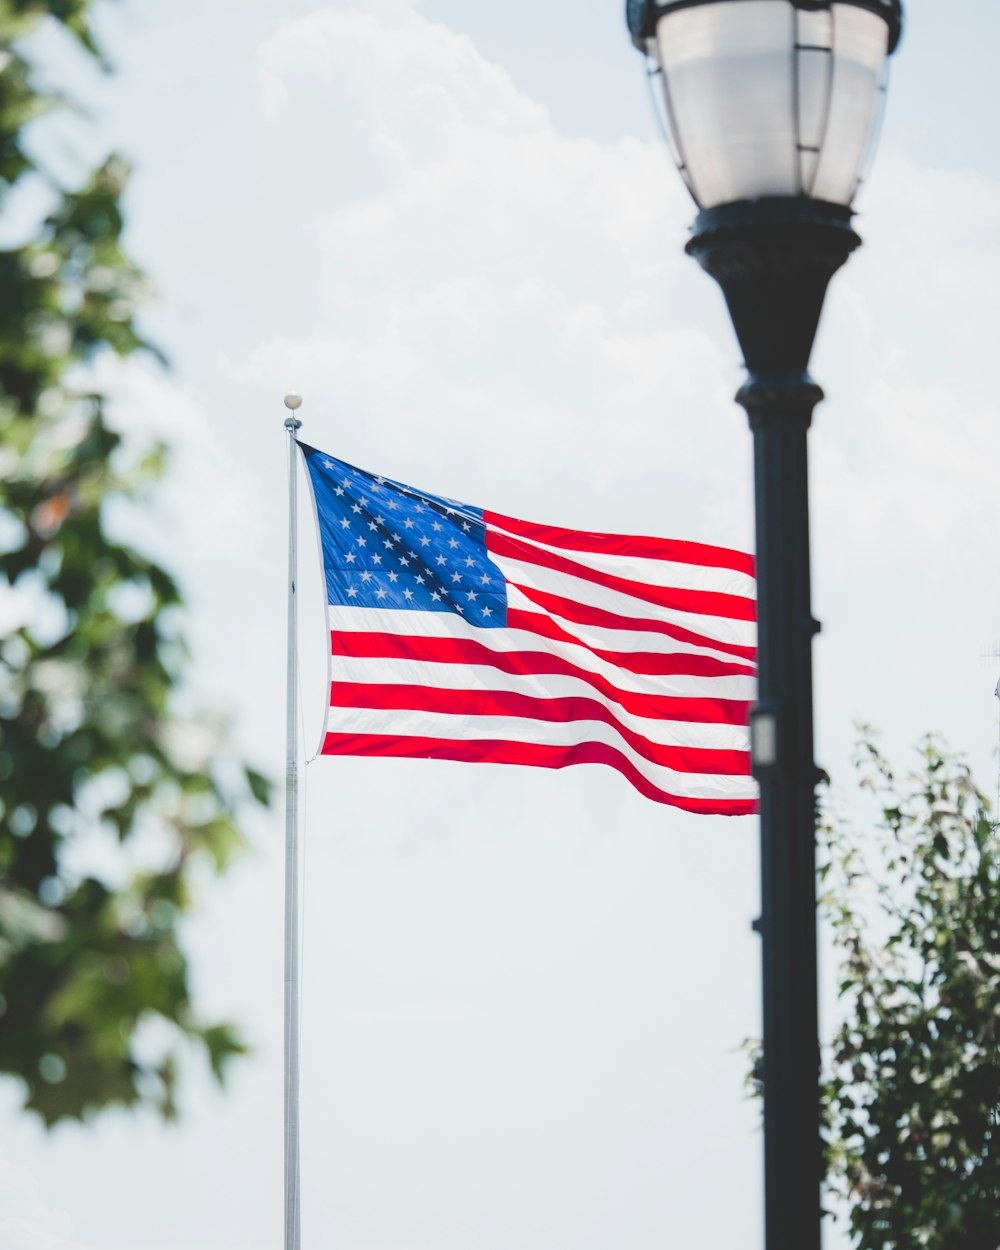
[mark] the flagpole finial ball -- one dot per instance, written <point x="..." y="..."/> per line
<point x="293" y="401"/>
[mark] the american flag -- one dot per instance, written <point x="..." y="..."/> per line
<point x="461" y="634"/>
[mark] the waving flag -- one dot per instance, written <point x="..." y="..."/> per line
<point x="457" y="633"/>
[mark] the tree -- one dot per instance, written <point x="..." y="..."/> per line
<point x="911" y="1090"/>
<point x="94" y="995"/>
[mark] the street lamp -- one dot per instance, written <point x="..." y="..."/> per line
<point x="771" y="109"/>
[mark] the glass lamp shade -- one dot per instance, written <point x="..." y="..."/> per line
<point x="772" y="97"/>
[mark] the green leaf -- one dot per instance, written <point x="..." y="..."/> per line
<point x="261" y="787"/>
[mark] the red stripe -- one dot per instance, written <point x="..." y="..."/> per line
<point x="584" y="614"/>
<point x="700" y="602"/>
<point x="652" y="663"/>
<point x="625" y="545"/>
<point x="459" y="651"/>
<point x="486" y="751"/>
<point x="346" y="694"/>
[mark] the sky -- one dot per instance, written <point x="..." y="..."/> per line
<point x="453" y="227"/>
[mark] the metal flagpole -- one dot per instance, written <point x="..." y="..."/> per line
<point x="293" y="1230"/>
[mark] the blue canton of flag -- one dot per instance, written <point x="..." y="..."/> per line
<point x="386" y="545"/>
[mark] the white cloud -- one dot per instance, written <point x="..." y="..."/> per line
<point x="412" y="73"/>
<point x="486" y="283"/>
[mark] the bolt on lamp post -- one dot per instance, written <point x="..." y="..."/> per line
<point x="771" y="108"/>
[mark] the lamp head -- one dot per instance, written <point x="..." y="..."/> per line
<point x="769" y="97"/>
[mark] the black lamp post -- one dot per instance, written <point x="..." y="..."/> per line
<point x="771" y="108"/>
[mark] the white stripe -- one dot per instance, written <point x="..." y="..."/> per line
<point x="402" y="621"/>
<point x="404" y="724"/>
<point x="568" y="586"/>
<point x="604" y="638"/>
<point x="446" y="624"/>
<point x="653" y="571"/>
<point x="473" y="677"/>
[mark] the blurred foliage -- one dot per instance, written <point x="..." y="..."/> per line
<point x="911" y="1093"/>
<point x="94" y="984"/>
